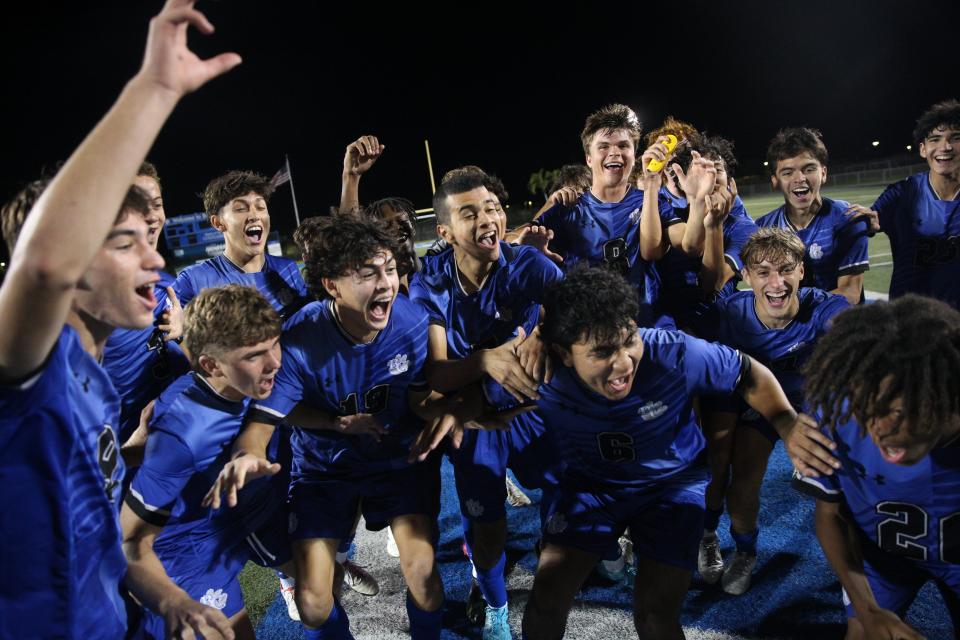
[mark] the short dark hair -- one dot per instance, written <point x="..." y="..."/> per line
<point x="793" y="141"/>
<point x="876" y="353"/>
<point x="233" y="184"/>
<point x="493" y="184"/>
<point x="149" y="170"/>
<point x="454" y="182"/>
<point x="575" y="176"/>
<point x="710" y="147"/>
<point x="945" y="113"/>
<point x="612" y="117"/>
<point x="14" y="213"/>
<point x="591" y="302"/>
<point x="332" y="246"/>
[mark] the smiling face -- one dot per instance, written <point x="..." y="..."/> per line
<point x="156" y="217"/>
<point x="775" y="288"/>
<point x="244" y="372"/>
<point x="606" y="369"/>
<point x="611" y="158"/>
<point x="474" y="228"/>
<point x="898" y="443"/>
<point x="799" y="180"/>
<point x="117" y="289"/>
<point x="364" y="296"/>
<point x="245" y="224"/>
<point x="941" y="150"/>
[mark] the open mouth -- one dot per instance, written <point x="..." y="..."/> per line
<point x="145" y="293"/>
<point x="893" y="455"/>
<point x="620" y="385"/>
<point x="266" y="384"/>
<point x="801" y="192"/>
<point x="776" y="300"/>
<point x="254" y="232"/>
<point x="614" y="166"/>
<point x="380" y="309"/>
<point x="488" y="239"/>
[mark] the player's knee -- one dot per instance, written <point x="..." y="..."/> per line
<point x="419" y="568"/>
<point x="489" y="539"/>
<point x="314" y="604"/>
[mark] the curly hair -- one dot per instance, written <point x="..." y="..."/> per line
<point x="682" y="130"/>
<point x="945" y="113"/>
<point x="233" y="184"/>
<point x="591" y="302"/>
<point x="876" y="353"/>
<point x="612" y="117"/>
<point x="332" y="246"/>
<point x="223" y="318"/>
<point x="793" y="141"/>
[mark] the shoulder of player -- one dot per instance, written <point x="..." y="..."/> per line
<point x="54" y="369"/>
<point x="771" y="219"/>
<point x="408" y="315"/>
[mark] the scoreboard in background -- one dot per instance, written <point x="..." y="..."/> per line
<point x="190" y="238"/>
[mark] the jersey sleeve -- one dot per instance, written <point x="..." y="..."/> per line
<point x="420" y="293"/>
<point x="852" y="256"/>
<point x="710" y="367"/>
<point x="168" y="465"/>
<point x="287" y="387"/>
<point x="886" y="204"/>
<point x="668" y="214"/>
<point x="184" y="287"/>
<point x="830" y="307"/>
<point x="538" y="273"/>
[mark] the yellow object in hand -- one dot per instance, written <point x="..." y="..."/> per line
<point x="670" y="144"/>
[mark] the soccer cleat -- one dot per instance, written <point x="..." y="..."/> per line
<point x="626" y="549"/>
<point x="476" y="605"/>
<point x="359" y="579"/>
<point x="392" y="550"/>
<point x="515" y="496"/>
<point x="613" y="570"/>
<point x="736" y="579"/>
<point x="497" y="626"/>
<point x="292" y="611"/>
<point x="710" y="560"/>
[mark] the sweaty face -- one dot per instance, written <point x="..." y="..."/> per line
<point x="474" y="226"/>
<point x="775" y="288"/>
<point x="607" y="369"/>
<point x="941" y="150"/>
<point x="250" y="371"/>
<point x="245" y="223"/>
<point x="611" y="157"/>
<point x="156" y="218"/>
<point x="799" y="179"/>
<point x="897" y="442"/>
<point x="117" y="288"/>
<point x="364" y="297"/>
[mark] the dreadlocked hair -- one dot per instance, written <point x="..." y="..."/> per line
<point x="876" y="353"/>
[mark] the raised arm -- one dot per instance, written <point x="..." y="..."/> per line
<point x="72" y="219"/>
<point x="361" y="154"/>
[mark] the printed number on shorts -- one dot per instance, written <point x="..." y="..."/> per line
<point x="616" y="447"/>
<point x="908" y="523"/>
<point x="374" y="401"/>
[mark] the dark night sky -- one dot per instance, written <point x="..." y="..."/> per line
<point x="505" y="88"/>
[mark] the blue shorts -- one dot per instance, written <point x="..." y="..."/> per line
<point x="327" y="508"/>
<point x="665" y="519"/>
<point x="895" y="581"/>
<point x="746" y="415"/>
<point x="480" y="465"/>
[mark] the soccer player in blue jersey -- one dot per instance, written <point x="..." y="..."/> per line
<point x="921" y="214"/>
<point x="886" y="385"/>
<point x="479" y="297"/>
<point x="354" y="361"/>
<point x="778" y="323"/>
<point x="78" y="271"/>
<point x="142" y="362"/>
<point x="619" y="415"/>
<point x="183" y="563"/>
<point x="237" y="205"/>
<point x="836" y="257"/>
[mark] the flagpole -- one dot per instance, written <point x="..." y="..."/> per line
<point x="433" y="185"/>
<point x="296" y="212"/>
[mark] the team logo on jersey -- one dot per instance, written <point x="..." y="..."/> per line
<point x="292" y="523"/>
<point x="474" y="508"/>
<point x="398" y="364"/>
<point x="556" y="524"/>
<point x="216" y="599"/>
<point x="635" y="216"/>
<point x="652" y="410"/>
<point x="816" y="251"/>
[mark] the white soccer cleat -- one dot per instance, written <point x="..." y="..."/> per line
<point x="392" y="549"/>
<point x="710" y="560"/>
<point x="359" y="579"/>
<point x="287" y="593"/>
<point x="736" y="579"/>
<point x="515" y="495"/>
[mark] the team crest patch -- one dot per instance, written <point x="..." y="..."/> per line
<point x="474" y="508"/>
<point x="816" y="251"/>
<point x="398" y="364"/>
<point x="635" y="216"/>
<point x="652" y="410"/>
<point x="216" y="599"/>
<point x="556" y="524"/>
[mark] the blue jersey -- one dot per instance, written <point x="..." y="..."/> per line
<point x="330" y="372"/>
<point x="279" y="281"/>
<point x="835" y="245"/>
<point x="60" y="468"/>
<point x="510" y="297"/>
<point x="783" y="351"/>
<point x="608" y="233"/>
<point x="924" y="234"/>
<point x="911" y="511"/>
<point x="646" y="437"/>
<point x="141" y="363"/>
<point x="191" y="435"/>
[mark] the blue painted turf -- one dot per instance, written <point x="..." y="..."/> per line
<point x="794" y="592"/>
